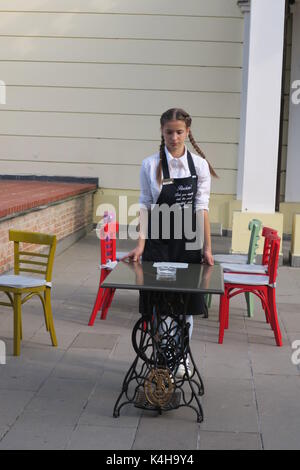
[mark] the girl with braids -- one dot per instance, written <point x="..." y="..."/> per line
<point x="175" y="176"/>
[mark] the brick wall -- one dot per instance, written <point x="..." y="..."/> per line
<point x="61" y="219"/>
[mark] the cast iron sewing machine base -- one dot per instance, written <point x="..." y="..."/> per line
<point x="161" y="343"/>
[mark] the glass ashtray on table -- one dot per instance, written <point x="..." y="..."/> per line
<point x="166" y="272"/>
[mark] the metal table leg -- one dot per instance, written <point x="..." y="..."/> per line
<point x="161" y="343"/>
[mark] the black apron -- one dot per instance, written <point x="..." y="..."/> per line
<point x="180" y="193"/>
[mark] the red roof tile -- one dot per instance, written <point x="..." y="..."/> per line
<point x="19" y="196"/>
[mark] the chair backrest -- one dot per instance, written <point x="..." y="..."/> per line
<point x="108" y="241"/>
<point x="274" y="258"/>
<point x="267" y="232"/>
<point x="254" y="226"/>
<point x="42" y="263"/>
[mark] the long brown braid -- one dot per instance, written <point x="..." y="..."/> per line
<point x="177" y="114"/>
<point x="161" y="156"/>
<point x="201" y="153"/>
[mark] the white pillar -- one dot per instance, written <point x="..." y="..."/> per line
<point x="245" y="7"/>
<point x="292" y="192"/>
<point x="263" y="105"/>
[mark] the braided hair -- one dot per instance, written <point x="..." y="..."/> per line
<point x="177" y="114"/>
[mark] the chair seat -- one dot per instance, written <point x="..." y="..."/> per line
<point x="246" y="279"/>
<point x="244" y="268"/>
<point x="231" y="258"/>
<point x="19" y="282"/>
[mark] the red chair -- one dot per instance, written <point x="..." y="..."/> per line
<point x="262" y="268"/>
<point x="263" y="286"/>
<point x="267" y="232"/>
<point x="108" y="254"/>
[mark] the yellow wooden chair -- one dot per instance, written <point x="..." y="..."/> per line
<point x="20" y="288"/>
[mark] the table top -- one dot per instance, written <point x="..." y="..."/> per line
<point x="196" y="278"/>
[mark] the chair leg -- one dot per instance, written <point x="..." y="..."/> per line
<point x="266" y="312"/>
<point x="222" y="317"/>
<point x="226" y="307"/>
<point x="266" y="308"/>
<point x="50" y="316"/>
<point x="43" y="300"/>
<point x="273" y="314"/>
<point x="107" y="303"/>
<point x="21" y="326"/>
<point x="208" y="300"/>
<point x="97" y="306"/>
<point x="105" y="300"/>
<point x="17" y="324"/>
<point x="250" y="304"/>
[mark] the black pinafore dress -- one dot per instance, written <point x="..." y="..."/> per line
<point x="182" y="192"/>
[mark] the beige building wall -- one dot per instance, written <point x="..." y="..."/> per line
<point x="88" y="79"/>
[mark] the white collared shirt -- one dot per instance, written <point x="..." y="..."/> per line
<point x="178" y="168"/>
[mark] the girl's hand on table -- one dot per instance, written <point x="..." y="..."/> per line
<point x="208" y="257"/>
<point x="134" y="255"/>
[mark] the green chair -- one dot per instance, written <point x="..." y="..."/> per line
<point x="255" y="226"/>
<point x="20" y="288"/>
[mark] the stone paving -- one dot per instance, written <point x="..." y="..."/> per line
<point x="62" y="398"/>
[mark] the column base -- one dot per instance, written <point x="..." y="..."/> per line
<point x="289" y="209"/>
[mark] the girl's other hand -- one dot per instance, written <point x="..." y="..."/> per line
<point x="134" y="255"/>
<point x="208" y="257"/>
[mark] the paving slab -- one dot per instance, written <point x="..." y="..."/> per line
<point x="42" y="338"/>
<point x="95" y="341"/>
<point x="289" y="308"/>
<point x="29" y="371"/>
<point x="229" y="405"/>
<point x="124" y="352"/>
<point x="59" y="402"/>
<point x="38" y="435"/>
<point x="170" y="433"/>
<point x="279" y="411"/>
<point x="210" y="440"/>
<point x="81" y="364"/>
<point x="101" y="437"/>
<point x="99" y="409"/>
<point x="220" y="361"/>
<point x="67" y="388"/>
<point x="12" y="404"/>
<point x="272" y="361"/>
<point x="267" y="338"/>
<point x="59" y="412"/>
<point x="293" y="297"/>
<point x="291" y="322"/>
